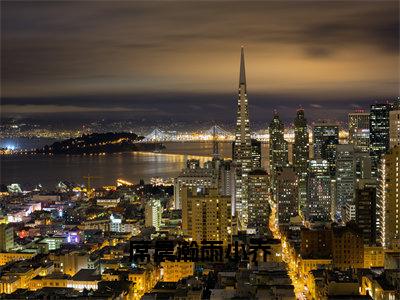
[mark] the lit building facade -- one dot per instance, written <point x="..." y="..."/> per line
<point x="325" y="139"/>
<point x="345" y="178"/>
<point x="206" y="215"/>
<point x="319" y="191"/>
<point x="362" y="165"/>
<point x="374" y="257"/>
<point x="256" y="154"/>
<point x="153" y="214"/>
<point x="287" y="196"/>
<point x="278" y="147"/>
<point x="379" y="133"/>
<point x="366" y="211"/>
<point x="6" y="257"/>
<point x="259" y="210"/>
<point x="193" y="175"/>
<point x="394" y="128"/>
<point x="301" y="143"/>
<point x="173" y="271"/>
<point x="389" y="200"/>
<point x="301" y="153"/>
<point x="359" y="130"/>
<point x="226" y="177"/>
<point x="242" y="149"/>
<point x="6" y="237"/>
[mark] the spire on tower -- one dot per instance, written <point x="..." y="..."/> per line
<point x="242" y="78"/>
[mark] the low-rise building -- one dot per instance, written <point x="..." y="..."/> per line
<point x="374" y="256"/>
<point x="173" y="271"/>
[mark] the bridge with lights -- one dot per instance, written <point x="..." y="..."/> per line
<point x="212" y="134"/>
<point x="215" y="133"/>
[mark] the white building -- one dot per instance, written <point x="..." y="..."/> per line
<point x="153" y="214"/>
<point x="193" y="176"/>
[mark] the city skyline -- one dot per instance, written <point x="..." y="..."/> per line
<point x="107" y="63"/>
<point x="123" y="177"/>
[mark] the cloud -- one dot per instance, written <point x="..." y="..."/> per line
<point x="172" y="53"/>
<point x="44" y="109"/>
<point x="318" y="52"/>
<point x="315" y="105"/>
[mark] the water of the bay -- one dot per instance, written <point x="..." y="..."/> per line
<point x="49" y="170"/>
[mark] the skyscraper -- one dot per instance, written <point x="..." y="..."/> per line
<point x="362" y="165"/>
<point x="389" y="199"/>
<point x="256" y="159"/>
<point x="259" y="209"/>
<point x="345" y="178"/>
<point x="325" y="139"/>
<point x="365" y="204"/>
<point x="287" y="195"/>
<point x="379" y="133"/>
<point x="278" y="150"/>
<point x="394" y="127"/>
<point x="278" y="147"/>
<point x="226" y="177"/>
<point x="319" y="191"/>
<point x="242" y="149"/>
<point x="256" y="154"/>
<point x="301" y="155"/>
<point x="300" y="146"/>
<point x="359" y="130"/>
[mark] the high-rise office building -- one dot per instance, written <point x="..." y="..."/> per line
<point x="206" y="215"/>
<point x="319" y="191"/>
<point x="194" y="175"/>
<point x="366" y="213"/>
<point x="256" y="159"/>
<point x="256" y="154"/>
<point x="301" y="143"/>
<point x="362" y="162"/>
<point x="379" y="133"/>
<point x="345" y="180"/>
<point x="287" y="196"/>
<point x="301" y="155"/>
<point x="278" y="147"/>
<point x="394" y="127"/>
<point x="6" y="237"/>
<point x="359" y="130"/>
<point x="259" y="210"/>
<point x="389" y="199"/>
<point x="278" y="150"/>
<point x="325" y="139"/>
<point x="153" y="214"/>
<point x="226" y="177"/>
<point x="242" y="149"/>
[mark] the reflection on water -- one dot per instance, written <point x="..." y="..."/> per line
<point x="133" y="166"/>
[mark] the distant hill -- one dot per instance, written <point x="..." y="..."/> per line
<point x="110" y="142"/>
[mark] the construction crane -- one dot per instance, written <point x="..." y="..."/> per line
<point x="89" y="190"/>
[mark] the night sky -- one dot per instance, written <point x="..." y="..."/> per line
<point x="180" y="60"/>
